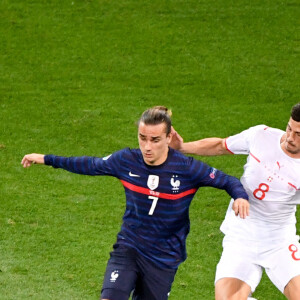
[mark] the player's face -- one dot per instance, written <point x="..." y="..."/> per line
<point x="154" y="142"/>
<point x="292" y="141"/>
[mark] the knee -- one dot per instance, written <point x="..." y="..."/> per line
<point x="231" y="289"/>
<point x="292" y="289"/>
<point x="234" y="296"/>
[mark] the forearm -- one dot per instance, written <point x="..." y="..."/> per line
<point x="220" y="180"/>
<point x="235" y="189"/>
<point x="230" y="184"/>
<point x="206" y="147"/>
<point x="81" y="165"/>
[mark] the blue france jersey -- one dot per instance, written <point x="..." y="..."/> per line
<point x="156" y="219"/>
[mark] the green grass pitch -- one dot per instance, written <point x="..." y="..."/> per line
<point x="74" y="78"/>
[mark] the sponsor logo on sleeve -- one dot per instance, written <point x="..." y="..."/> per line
<point x="212" y="174"/>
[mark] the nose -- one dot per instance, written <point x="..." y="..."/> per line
<point x="148" y="145"/>
<point x="290" y="136"/>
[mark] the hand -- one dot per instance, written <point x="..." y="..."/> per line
<point x="33" y="158"/>
<point x="176" y="141"/>
<point x="241" y="207"/>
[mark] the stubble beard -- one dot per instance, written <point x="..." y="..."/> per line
<point x="289" y="150"/>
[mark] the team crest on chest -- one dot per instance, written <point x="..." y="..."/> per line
<point x="175" y="183"/>
<point x="153" y="181"/>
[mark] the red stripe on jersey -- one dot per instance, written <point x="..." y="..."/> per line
<point x="254" y="157"/>
<point x="148" y="192"/>
<point x="227" y="147"/>
<point x="266" y="128"/>
<point x="292" y="185"/>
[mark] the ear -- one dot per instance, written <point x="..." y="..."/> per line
<point x="169" y="137"/>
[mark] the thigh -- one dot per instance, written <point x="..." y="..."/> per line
<point x="283" y="264"/>
<point x="238" y="261"/>
<point x="121" y="274"/>
<point x="154" y="283"/>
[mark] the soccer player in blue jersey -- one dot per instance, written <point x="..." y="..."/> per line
<point x="159" y="184"/>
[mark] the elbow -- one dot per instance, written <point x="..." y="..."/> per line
<point x="223" y="149"/>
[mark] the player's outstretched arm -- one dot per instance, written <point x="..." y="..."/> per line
<point x="32" y="158"/>
<point x="241" y="207"/>
<point x="207" y="147"/>
<point x="176" y="141"/>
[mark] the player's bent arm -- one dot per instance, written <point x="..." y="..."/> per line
<point x="32" y="158"/>
<point x="235" y="189"/>
<point x="206" y="147"/>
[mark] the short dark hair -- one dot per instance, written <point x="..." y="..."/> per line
<point x="157" y="115"/>
<point x="295" y="113"/>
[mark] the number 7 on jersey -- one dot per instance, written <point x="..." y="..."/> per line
<point x="154" y="202"/>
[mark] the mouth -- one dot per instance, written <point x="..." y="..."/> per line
<point x="291" y="148"/>
<point x="290" y="144"/>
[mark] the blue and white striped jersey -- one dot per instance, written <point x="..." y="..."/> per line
<point x="156" y="219"/>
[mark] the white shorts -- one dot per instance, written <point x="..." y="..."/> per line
<point x="245" y="260"/>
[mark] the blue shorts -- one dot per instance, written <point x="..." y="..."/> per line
<point x="128" y="271"/>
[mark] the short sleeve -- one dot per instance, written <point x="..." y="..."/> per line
<point x="240" y="143"/>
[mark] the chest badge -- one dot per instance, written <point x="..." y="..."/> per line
<point x="175" y="183"/>
<point x="153" y="181"/>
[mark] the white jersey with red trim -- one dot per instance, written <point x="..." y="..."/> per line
<point x="272" y="181"/>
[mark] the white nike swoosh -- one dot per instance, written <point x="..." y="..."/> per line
<point x="133" y="175"/>
<point x="106" y="157"/>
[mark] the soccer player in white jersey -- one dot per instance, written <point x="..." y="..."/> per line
<point x="267" y="238"/>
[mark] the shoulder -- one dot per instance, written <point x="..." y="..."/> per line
<point x="120" y="154"/>
<point x="241" y="143"/>
<point x="263" y="130"/>
<point x="123" y="157"/>
<point x="273" y="131"/>
<point x="130" y="154"/>
<point x="181" y="160"/>
<point x="176" y="155"/>
<point x="260" y="130"/>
